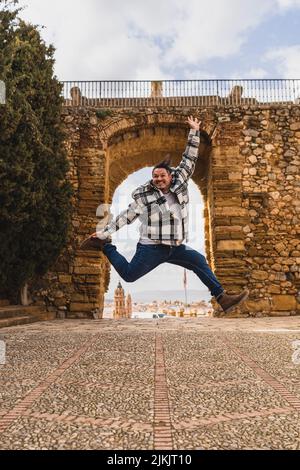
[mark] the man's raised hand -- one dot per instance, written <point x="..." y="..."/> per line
<point x="194" y="123"/>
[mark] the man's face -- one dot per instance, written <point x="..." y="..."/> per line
<point x="162" y="179"/>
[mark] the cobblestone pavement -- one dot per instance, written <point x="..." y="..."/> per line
<point x="147" y="384"/>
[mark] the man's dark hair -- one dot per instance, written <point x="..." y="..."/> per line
<point x="166" y="164"/>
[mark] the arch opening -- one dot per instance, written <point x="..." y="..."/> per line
<point x="131" y="157"/>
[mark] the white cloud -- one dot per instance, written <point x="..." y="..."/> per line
<point x="287" y="4"/>
<point x="256" y="72"/>
<point x="215" y="29"/>
<point x="94" y="40"/>
<point x="286" y="60"/>
<point x="251" y="73"/>
<point x="191" y="72"/>
<point x="101" y="40"/>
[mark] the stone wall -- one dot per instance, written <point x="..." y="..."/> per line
<point x="249" y="181"/>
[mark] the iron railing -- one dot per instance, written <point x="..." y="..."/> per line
<point x="114" y="94"/>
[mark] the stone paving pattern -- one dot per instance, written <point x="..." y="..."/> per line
<point x="211" y="383"/>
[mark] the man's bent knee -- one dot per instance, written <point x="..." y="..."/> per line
<point x="130" y="277"/>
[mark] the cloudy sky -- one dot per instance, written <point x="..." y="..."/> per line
<point x="161" y="39"/>
<point x="168" y="39"/>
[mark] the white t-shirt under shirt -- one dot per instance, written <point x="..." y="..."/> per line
<point x="176" y="210"/>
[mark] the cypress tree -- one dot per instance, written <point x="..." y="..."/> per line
<point x="35" y="198"/>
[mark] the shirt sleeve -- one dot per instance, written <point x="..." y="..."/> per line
<point x="126" y="217"/>
<point x="189" y="158"/>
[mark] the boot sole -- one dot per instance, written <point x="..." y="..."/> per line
<point x="245" y="297"/>
<point x="86" y="246"/>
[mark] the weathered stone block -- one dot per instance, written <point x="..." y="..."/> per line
<point x="91" y="279"/>
<point x="65" y="278"/>
<point x="60" y="302"/>
<point x="258" y="305"/>
<point x="228" y="229"/>
<point x="284" y="302"/>
<point x="87" y="270"/>
<point x="274" y="289"/>
<point x="81" y="307"/>
<point x="280" y="313"/>
<point x="259" y="275"/>
<point x="231" y="212"/>
<point x="226" y="245"/>
<point x="85" y="298"/>
<point x="82" y="298"/>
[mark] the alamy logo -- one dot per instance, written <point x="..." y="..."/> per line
<point x="296" y="353"/>
<point x="2" y="352"/>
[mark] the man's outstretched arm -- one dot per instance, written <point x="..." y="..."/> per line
<point x="126" y="217"/>
<point x="187" y="165"/>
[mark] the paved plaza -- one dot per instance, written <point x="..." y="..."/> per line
<point x="210" y="383"/>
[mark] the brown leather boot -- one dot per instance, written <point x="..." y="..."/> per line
<point x="94" y="244"/>
<point x="229" y="302"/>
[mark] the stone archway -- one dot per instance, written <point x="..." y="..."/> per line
<point x="132" y="148"/>
<point x="247" y="239"/>
<point x="102" y="154"/>
<point x="135" y="149"/>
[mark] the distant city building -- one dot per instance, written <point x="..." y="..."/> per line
<point x="129" y="306"/>
<point x="122" y="307"/>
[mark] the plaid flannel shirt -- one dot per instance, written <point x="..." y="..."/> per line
<point x="150" y="204"/>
